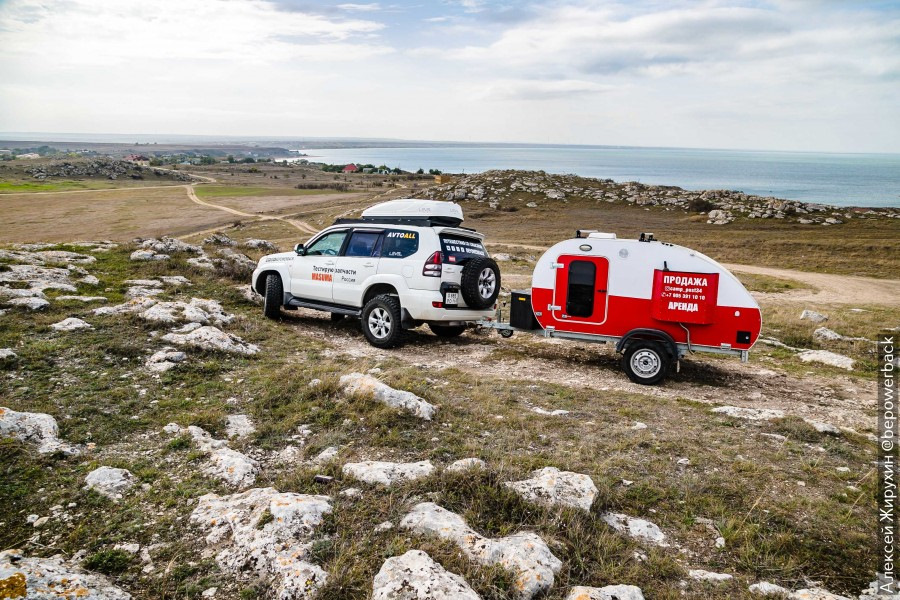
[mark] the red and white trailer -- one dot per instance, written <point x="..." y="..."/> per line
<point x="656" y="301"/>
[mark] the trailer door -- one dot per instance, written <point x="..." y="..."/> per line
<point x="580" y="294"/>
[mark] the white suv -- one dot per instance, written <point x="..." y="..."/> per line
<point x="404" y="263"/>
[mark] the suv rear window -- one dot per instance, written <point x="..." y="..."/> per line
<point x="399" y="244"/>
<point x="457" y="249"/>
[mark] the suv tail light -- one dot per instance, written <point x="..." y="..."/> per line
<point x="433" y="266"/>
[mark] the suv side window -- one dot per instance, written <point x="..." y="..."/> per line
<point x="327" y="245"/>
<point x="399" y="244"/>
<point x="364" y="243"/>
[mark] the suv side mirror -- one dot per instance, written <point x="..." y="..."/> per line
<point x="299" y="249"/>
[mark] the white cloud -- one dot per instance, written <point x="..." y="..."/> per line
<point x="360" y="7"/>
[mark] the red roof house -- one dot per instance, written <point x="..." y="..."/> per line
<point x="350" y="169"/>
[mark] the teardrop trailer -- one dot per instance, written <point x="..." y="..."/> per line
<point x="655" y="301"/>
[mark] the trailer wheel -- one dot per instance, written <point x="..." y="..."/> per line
<point x="646" y="362"/>
<point x="381" y="321"/>
<point x="480" y="283"/>
<point x="273" y="297"/>
<point x="506" y="333"/>
<point x="447" y="331"/>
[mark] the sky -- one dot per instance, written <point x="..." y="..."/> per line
<point x="806" y="75"/>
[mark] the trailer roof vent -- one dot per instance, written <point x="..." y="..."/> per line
<point x="599" y="235"/>
<point x="646" y="237"/>
<point x="583" y="233"/>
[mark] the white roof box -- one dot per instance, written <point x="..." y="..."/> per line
<point x="439" y="213"/>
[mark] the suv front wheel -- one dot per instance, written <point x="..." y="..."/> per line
<point x="273" y="297"/>
<point x="381" y="321"/>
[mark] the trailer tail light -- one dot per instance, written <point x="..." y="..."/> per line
<point x="433" y="266"/>
<point x="437" y="304"/>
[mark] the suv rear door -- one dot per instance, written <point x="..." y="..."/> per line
<point x="358" y="263"/>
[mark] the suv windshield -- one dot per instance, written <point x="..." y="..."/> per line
<point x="457" y="248"/>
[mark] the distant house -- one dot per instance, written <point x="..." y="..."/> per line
<point x="443" y="178"/>
<point x="350" y="169"/>
<point x="138" y="159"/>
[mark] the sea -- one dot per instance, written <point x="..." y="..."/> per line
<point x="838" y="179"/>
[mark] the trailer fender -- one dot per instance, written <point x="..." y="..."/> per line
<point x="649" y="334"/>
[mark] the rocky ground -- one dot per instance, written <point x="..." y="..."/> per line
<point x="159" y="438"/>
<point x="108" y="168"/>
<point x="511" y="190"/>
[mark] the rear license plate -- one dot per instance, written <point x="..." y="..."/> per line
<point x="451" y="298"/>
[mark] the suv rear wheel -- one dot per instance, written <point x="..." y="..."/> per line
<point x="480" y="283"/>
<point x="381" y="321"/>
<point x="447" y="331"/>
<point x="273" y="297"/>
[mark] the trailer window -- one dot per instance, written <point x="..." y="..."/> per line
<point x="457" y="249"/>
<point x="580" y="295"/>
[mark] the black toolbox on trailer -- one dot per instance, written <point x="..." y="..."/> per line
<point x="521" y="315"/>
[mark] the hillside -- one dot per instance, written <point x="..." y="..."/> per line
<point x="194" y="448"/>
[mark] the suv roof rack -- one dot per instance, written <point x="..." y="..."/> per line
<point x="434" y="221"/>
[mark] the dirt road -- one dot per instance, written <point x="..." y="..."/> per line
<point x="301" y="225"/>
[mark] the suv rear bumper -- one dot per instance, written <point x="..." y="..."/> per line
<point x="418" y="303"/>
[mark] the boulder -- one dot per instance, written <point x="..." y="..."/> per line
<point x="526" y="554"/>
<point x="212" y="338"/>
<point x="219" y="239"/>
<point x="415" y="576"/>
<point x="827" y="358"/>
<point x="358" y="383"/>
<point x="826" y="335"/>
<point x="38" y="429"/>
<point x="639" y="529"/>
<point x="46" y="578"/>
<point x="608" y="592"/>
<point x="551" y="487"/>
<point x="109" y="481"/>
<point x="7" y="353"/>
<point x="198" y="310"/>
<point x="387" y="473"/>
<point x="167" y="245"/>
<point x="263" y="533"/>
<point x="133" y="305"/>
<point x="71" y="324"/>
<point x="84" y="299"/>
<point x="148" y="255"/>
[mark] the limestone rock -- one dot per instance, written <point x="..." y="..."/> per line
<point x="415" y="576"/>
<point x="640" y="529"/>
<point x="358" y="383"/>
<point x="230" y="466"/>
<point x="607" y="592"/>
<point x="168" y="245"/>
<point x="387" y="473"/>
<point x="709" y="576"/>
<point x="827" y="358"/>
<point x="257" y="244"/>
<point x="109" y="481"/>
<point x="133" y="305"/>
<point x="148" y="255"/>
<point x="46" y="578"/>
<point x="752" y="414"/>
<point x="466" y="464"/>
<point x="212" y="338"/>
<point x="85" y="299"/>
<point x="826" y="335"/>
<point x="769" y="590"/>
<point x="551" y="487"/>
<point x="7" y="353"/>
<point x="219" y="239"/>
<point x="71" y="324"/>
<point x="239" y="426"/>
<point x="267" y="534"/>
<point x="34" y="428"/>
<point x="198" y="310"/>
<point x="811" y="315"/>
<point x="526" y="554"/>
<point x="165" y="359"/>
<point x="816" y="594"/>
<point x="29" y="303"/>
